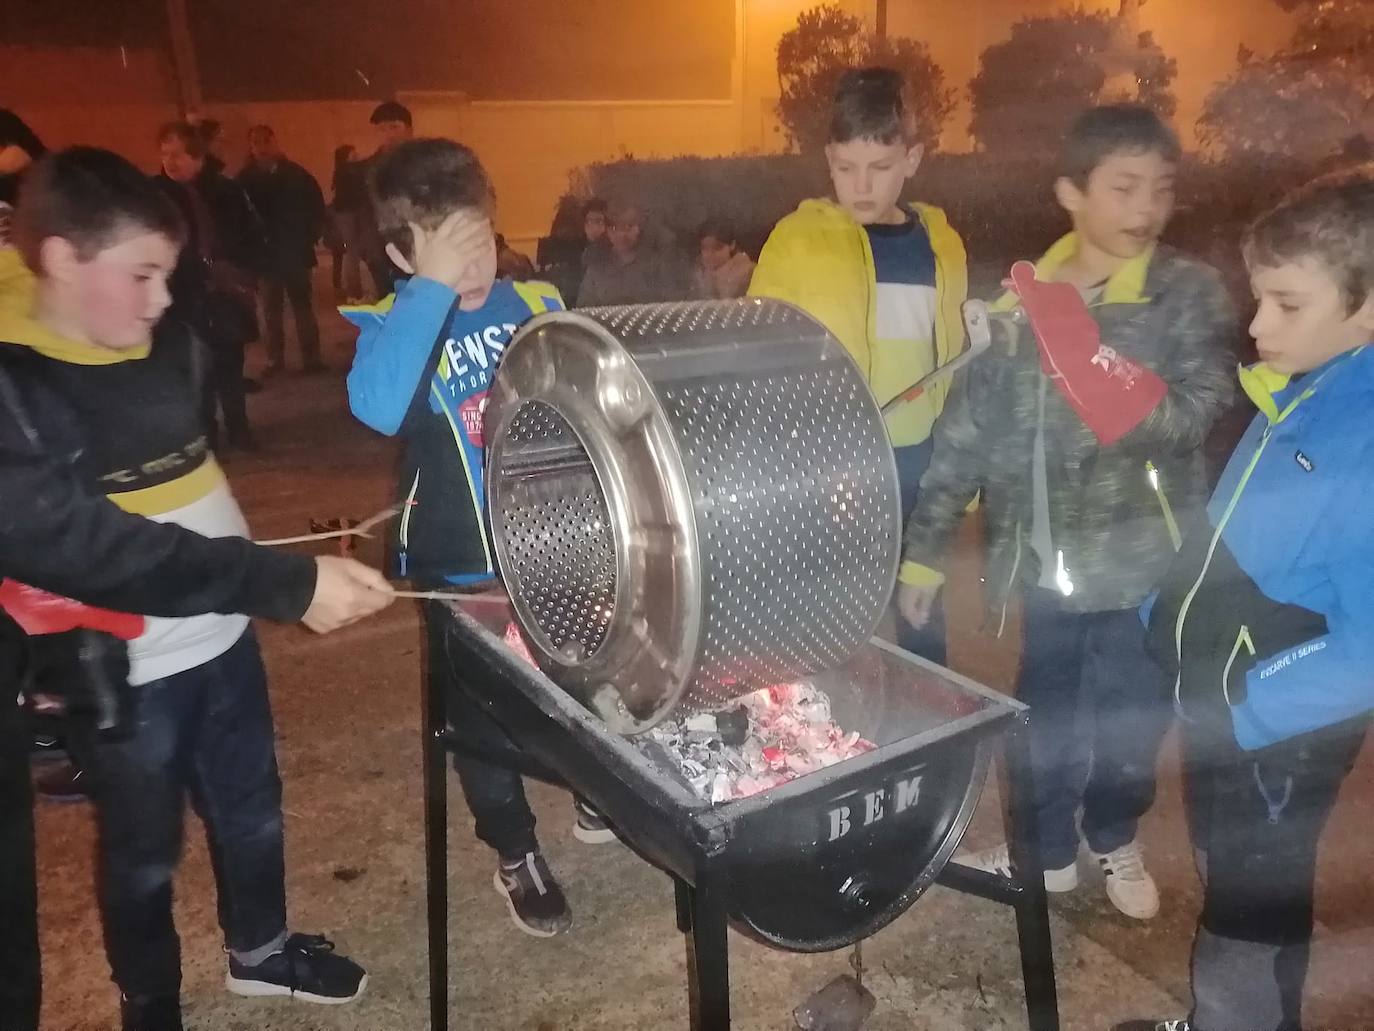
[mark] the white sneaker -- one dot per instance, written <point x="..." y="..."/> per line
<point x="998" y="860"/>
<point x="1129" y="885"/>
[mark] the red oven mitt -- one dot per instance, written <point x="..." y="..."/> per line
<point x="1111" y="393"/>
<point x="38" y="612"/>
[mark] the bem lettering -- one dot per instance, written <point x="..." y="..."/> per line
<point x="908" y="793"/>
<point x="873" y="806"/>
<point x="839" y="822"/>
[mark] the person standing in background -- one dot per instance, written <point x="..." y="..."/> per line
<point x="391" y="125"/>
<point x="723" y="270"/>
<point x="213" y="285"/>
<point x="291" y="206"/>
<point x="347" y="208"/>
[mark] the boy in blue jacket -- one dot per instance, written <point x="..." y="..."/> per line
<point x="1266" y="619"/>
<point x="425" y="360"/>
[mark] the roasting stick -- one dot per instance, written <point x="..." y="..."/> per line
<point x="361" y="530"/>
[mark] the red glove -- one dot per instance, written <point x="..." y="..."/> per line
<point x="1111" y="393"/>
<point x="38" y="612"/>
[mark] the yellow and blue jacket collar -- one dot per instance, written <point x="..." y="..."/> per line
<point x="1125" y="286"/>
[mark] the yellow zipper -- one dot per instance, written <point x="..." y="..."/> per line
<point x="409" y="508"/>
<point x="1242" y="638"/>
<point x="1207" y="562"/>
<point x="1169" y="521"/>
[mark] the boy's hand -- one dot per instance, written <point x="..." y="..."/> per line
<point x="915" y="602"/>
<point x="447" y="253"/>
<point x="345" y="592"/>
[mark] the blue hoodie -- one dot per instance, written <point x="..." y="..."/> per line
<point x="421" y="372"/>
<point x="1267" y="615"/>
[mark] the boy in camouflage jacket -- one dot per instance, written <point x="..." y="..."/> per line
<point x="1081" y="510"/>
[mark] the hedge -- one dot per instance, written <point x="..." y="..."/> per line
<point x="1004" y="210"/>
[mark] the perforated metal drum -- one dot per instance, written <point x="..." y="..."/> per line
<point x="688" y="501"/>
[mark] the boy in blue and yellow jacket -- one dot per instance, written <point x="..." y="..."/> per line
<point x="885" y="278"/>
<point x="1266" y="619"/>
<point x="425" y="360"/>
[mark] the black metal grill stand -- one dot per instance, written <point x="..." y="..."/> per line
<point x="702" y="906"/>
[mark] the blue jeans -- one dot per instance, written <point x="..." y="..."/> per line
<point x="1099" y="710"/>
<point x="206" y="732"/>
<point x="927" y="641"/>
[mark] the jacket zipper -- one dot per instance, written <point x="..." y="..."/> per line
<point x="1011" y="581"/>
<point x="404" y="534"/>
<point x="1242" y="638"/>
<point x="1170" y="522"/>
<point x="1207" y="563"/>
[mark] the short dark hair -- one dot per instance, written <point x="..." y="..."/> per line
<point x="1331" y="220"/>
<point x="424" y="181"/>
<point x="208" y="129"/>
<point x="391" y="111"/>
<point x="721" y="229"/>
<point x="93" y="198"/>
<point x="262" y="129"/>
<point x="1100" y="132"/>
<point x="193" y="141"/>
<point x="872" y="104"/>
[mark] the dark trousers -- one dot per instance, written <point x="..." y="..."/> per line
<point x="383" y="273"/>
<point x="927" y="641"/>
<point x="1099" y="710"/>
<point x="1255" y="819"/>
<point x="19" y="957"/>
<point x="222" y="391"/>
<point x="495" y="795"/>
<point x="294" y="286"/>
<point x="206" y="732"/>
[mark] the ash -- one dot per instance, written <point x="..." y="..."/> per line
<point x="772" y="736"/>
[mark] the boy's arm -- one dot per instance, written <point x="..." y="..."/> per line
<point x="950" y="483"/>
<point x="395" y="351"/>
<point x="1200" y="373"/>
<point x="774" y="275"/>
<point x="1329" y="678"/>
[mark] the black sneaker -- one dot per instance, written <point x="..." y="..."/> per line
<point x="64" y="783"/>
<point x="1153" y="1025"/>
<point x="307" y="968"/>
<point x="591" y="827"/>
<point x="534" y="898"/>
<point x="155" y="1013"/>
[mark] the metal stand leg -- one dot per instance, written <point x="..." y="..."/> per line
<point x="433" y="758"/>
<point x="1032" y="907"/>
<point x="708" y="962"/>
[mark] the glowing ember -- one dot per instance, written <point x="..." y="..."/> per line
<point x="772" y="736"/>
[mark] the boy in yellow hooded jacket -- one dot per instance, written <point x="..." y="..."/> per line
<point x="886" y="278"/>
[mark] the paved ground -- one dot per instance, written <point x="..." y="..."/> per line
<point x="347" y="717"/>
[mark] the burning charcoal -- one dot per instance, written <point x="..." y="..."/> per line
<point x="733" y="726"/>
<point x="516" y="643"/>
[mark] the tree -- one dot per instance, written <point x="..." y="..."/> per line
<point x="1030" y="87"/>
<point x="1303" y="101"/>
<point x="826" y="43"/>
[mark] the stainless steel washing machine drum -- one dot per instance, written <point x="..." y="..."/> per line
<point x="688" y="501"/>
